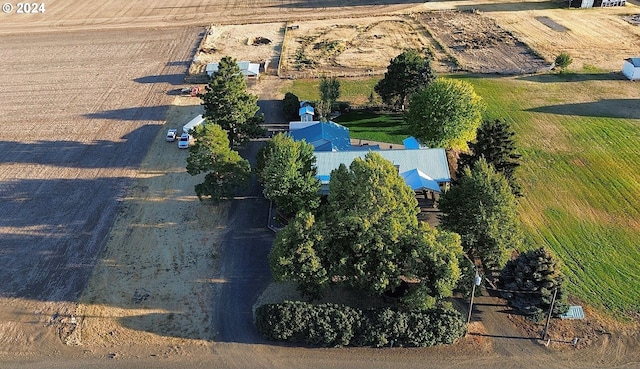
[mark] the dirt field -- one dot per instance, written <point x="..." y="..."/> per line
<point x="489" y="39"/>
<point x="549" y="29"/>
<point x="107" y="257"/>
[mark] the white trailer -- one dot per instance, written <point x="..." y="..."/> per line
<point x="631" y="68"/>
<point x="193" y="123"/>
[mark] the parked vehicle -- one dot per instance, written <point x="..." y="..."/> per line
<point x="171" y="134"/>
<point x="192" y="91"/>
<point x="183" y="142"/>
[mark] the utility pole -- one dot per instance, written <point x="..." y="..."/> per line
<point x="546" y="326"/>
<point x="477" y="280"/>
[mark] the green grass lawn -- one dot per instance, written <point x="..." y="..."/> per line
<point x="579" y="135"/>
<point x="383" y="127"/>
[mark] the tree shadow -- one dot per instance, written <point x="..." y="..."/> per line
<point x="74" y="154"/>
<point x="178" y="325"/>
<point x="572" y="77"/>
<point x="172" y="79"/>
<point x="339" y="3"/>
<point x="54" y="231"/>
<point x="608" y="108"/>
<point x="152" y="113"/>
<point x="513" y="7"/>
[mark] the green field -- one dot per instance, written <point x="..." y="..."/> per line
<point x="579" y="136"/>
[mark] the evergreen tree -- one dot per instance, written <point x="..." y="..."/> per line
<point x="482" y="209"/>
<point x="227" y="103"/>
<point x="530" y="281"/>
<point x="494" y="142"/>
<point x="291" y="106"/>
<point x="406" y="74"/>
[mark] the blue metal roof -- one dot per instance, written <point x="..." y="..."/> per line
<point x="431" y="162"/>
<point x="307" y="109"/>
<point x="417" y="180"/>
<point x="327" y="136"/>
<point x="410" y="143"/>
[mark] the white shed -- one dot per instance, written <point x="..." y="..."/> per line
<point x="247" y="68"/>
<point x="193" y="123"/>
<point x="631" y="68"/>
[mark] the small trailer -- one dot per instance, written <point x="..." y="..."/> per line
<point x="193" y="123"/>
<point x="631" y="68"/>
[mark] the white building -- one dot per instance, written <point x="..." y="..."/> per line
<point x="248" y="69"/>
<point x="631" y="68"/>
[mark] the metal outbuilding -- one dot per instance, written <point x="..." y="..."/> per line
<point x="631" y="68"/>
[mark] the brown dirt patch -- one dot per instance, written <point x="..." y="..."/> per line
<point x="348" y="46"/>
<point x="480" y="45"/>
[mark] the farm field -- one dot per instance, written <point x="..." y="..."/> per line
<point x="106" y="261"/>
<point x="577" y="134"/>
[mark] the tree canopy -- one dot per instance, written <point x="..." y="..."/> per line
<point x="406" y="74"/>
<point x="227" y="103"/>
<point x="494" y="142"/>
<point x="530" y="281"/>
<point x="329" y="94"/>
<point x="291" y="106"/>
<point x="287" y="172"/>
<point x="225" y="169"/>
<point x="368" y="237"/>
<point x="294" y="256"/>
<point x="482" y="209"/>
<point x="445" y="114"/>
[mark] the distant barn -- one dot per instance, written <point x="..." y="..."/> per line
<point x="595" y="3"/>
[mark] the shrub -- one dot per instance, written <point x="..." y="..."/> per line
<point x="331" y="325"/>
<point x="563" y="60"/>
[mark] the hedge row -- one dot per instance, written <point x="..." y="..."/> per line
<point x="331" y="325"/>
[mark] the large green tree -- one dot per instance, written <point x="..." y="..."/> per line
<point x="288" y="174"/>
<point x="445" y="114"/>
<point x="482" y="209"/>
<point x="371" y="238"/>
<point x="294" y="256"/>
<point x="225" y="169"/>
<point x="529" y="282"/>
<point x="228" y="104"/>
<point x="406" y="74"/>
<point x="494" y="142"/>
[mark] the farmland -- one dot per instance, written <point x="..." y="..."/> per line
<point x="580" y="176"/>
<point x="100" y="225"/>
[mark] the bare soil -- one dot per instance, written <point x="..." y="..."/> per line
<point x="108" y="259"/>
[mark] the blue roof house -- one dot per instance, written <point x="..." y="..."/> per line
<point x="324" y="136"/>
<point x="422" y="169"/>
